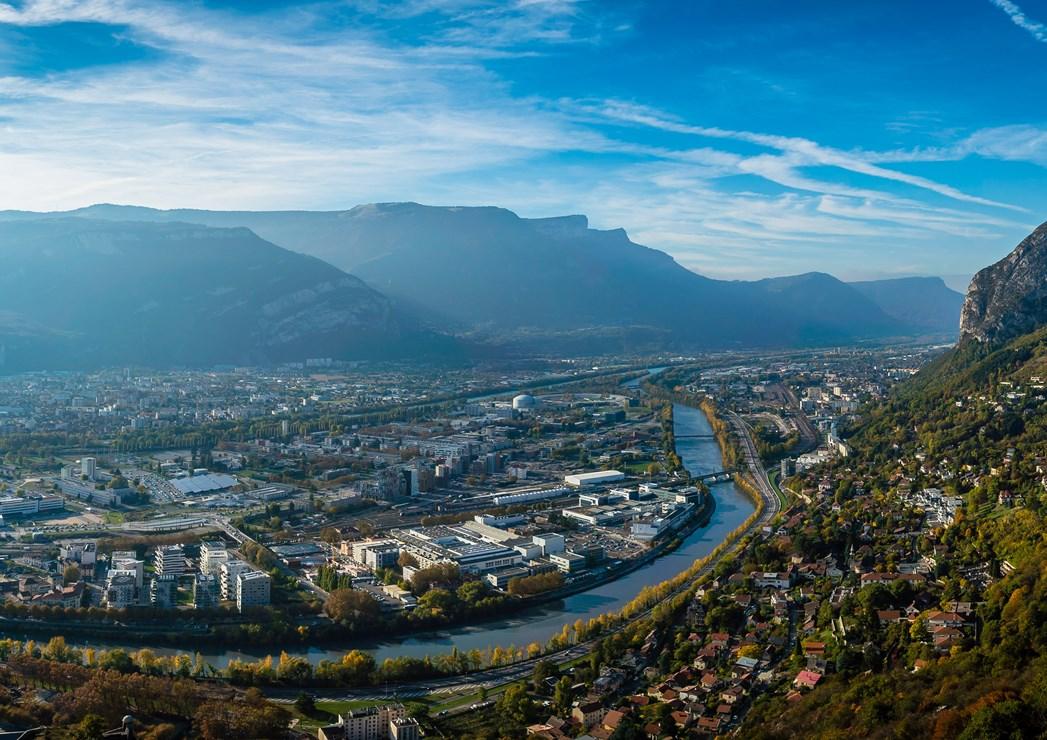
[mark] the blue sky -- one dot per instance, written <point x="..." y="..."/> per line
<point x="746" y="138"/>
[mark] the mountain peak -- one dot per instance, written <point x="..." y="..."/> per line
<point x="1009" y="298"/>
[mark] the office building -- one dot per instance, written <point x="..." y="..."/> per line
<point x="87" y="468"/>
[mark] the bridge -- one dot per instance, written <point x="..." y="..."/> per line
<point x="707" y="476"/>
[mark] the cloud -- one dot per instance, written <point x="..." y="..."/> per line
<point x="1018" y="143"/>
<point x="284" y="109"/>
<point x="1037" y="30"/>
<point x="796" y="153"/>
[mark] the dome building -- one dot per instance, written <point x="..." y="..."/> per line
<point x="525" y="402"/>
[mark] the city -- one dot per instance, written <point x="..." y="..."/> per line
<point x="457" y="513"/>
<point x="523" y="369"/>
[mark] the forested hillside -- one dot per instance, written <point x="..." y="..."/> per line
<point x="974" y="425"/>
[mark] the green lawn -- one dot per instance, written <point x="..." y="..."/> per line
<point x="327" y="712"/>
<point x="773" y="477"/>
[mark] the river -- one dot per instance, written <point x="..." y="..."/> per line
<point x="700" y="455"/>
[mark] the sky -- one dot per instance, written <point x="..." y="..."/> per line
<point x="747" y="138"/>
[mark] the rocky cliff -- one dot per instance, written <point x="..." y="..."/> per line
<point x="1009" y="298"/>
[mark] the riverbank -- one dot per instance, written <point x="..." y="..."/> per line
<point x="538" y="623"/>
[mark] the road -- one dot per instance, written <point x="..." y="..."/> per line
<point x="493" y="677"/>
<point x="755" y="466"/>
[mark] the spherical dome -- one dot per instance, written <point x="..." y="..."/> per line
<point x="525" y="401"/>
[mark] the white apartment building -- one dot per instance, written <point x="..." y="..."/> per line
<point x="170" y="560"/>
<point x="372" y="723"/>
<point x="212" y="555"/>
<point x="252" y="589"/>
<point x="227" y="573"/>
<point x="120" y="590"/>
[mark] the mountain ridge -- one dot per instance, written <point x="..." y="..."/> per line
<point x="84" y="293"/>
<point x="504" y="279"/>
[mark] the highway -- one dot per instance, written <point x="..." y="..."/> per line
<point x="493" y="677"/>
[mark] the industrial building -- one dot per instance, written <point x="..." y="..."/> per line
<point x="534" y="494"/>
<point x="204" y="483"/>
<point x="598" y="478"/>
<point x="443" y="544"/>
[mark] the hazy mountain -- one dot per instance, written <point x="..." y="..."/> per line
<point x="923" y="302"/>
<point x="555" y="281"/>
<point x="77" y="292"/>
<point x="1009" y="298"/>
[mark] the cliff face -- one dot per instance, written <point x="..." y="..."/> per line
<point x="1009" y="298"/>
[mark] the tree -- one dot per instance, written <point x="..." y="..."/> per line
<point x="305" y="704"/>
<point x="71" y="574"/>
<point x="437" y="601"/>
<point x="91" y="727"/>
<point x="543" y="669"/>
<point x="117" y="659"/>
<point x="352" y="607"/>
<point x="444" y="575"/>
<point x="562" y="695"/>
<point x="515" y="705"/>
<point x="330" y="535"/>
<point x="217" y="720"/>
<point x="472" y="591"/>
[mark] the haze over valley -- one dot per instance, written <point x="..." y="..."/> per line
<point x="197" y="288"/>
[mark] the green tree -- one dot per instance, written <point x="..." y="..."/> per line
<point x="91" y="727"/>
<point x="562" y="695"/>
<point x="305" y="704"/>
<point x="515" y="705"/>
<point x="543" y="670"/>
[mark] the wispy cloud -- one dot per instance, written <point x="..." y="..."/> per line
<point x="796" y="153"/>
<point x="281" y="109"/>
<point x="1036" y="29"/>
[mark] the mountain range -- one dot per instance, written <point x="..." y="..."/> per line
<point x="396" y="279"/>
<point x="85" y="293"/>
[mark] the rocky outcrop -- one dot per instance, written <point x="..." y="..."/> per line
<point x="1009" y="298"/>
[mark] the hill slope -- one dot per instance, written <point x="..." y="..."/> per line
<point x="515" y="279"/>
<point x="79" y="293"/>
<point x="974" y="425"/>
